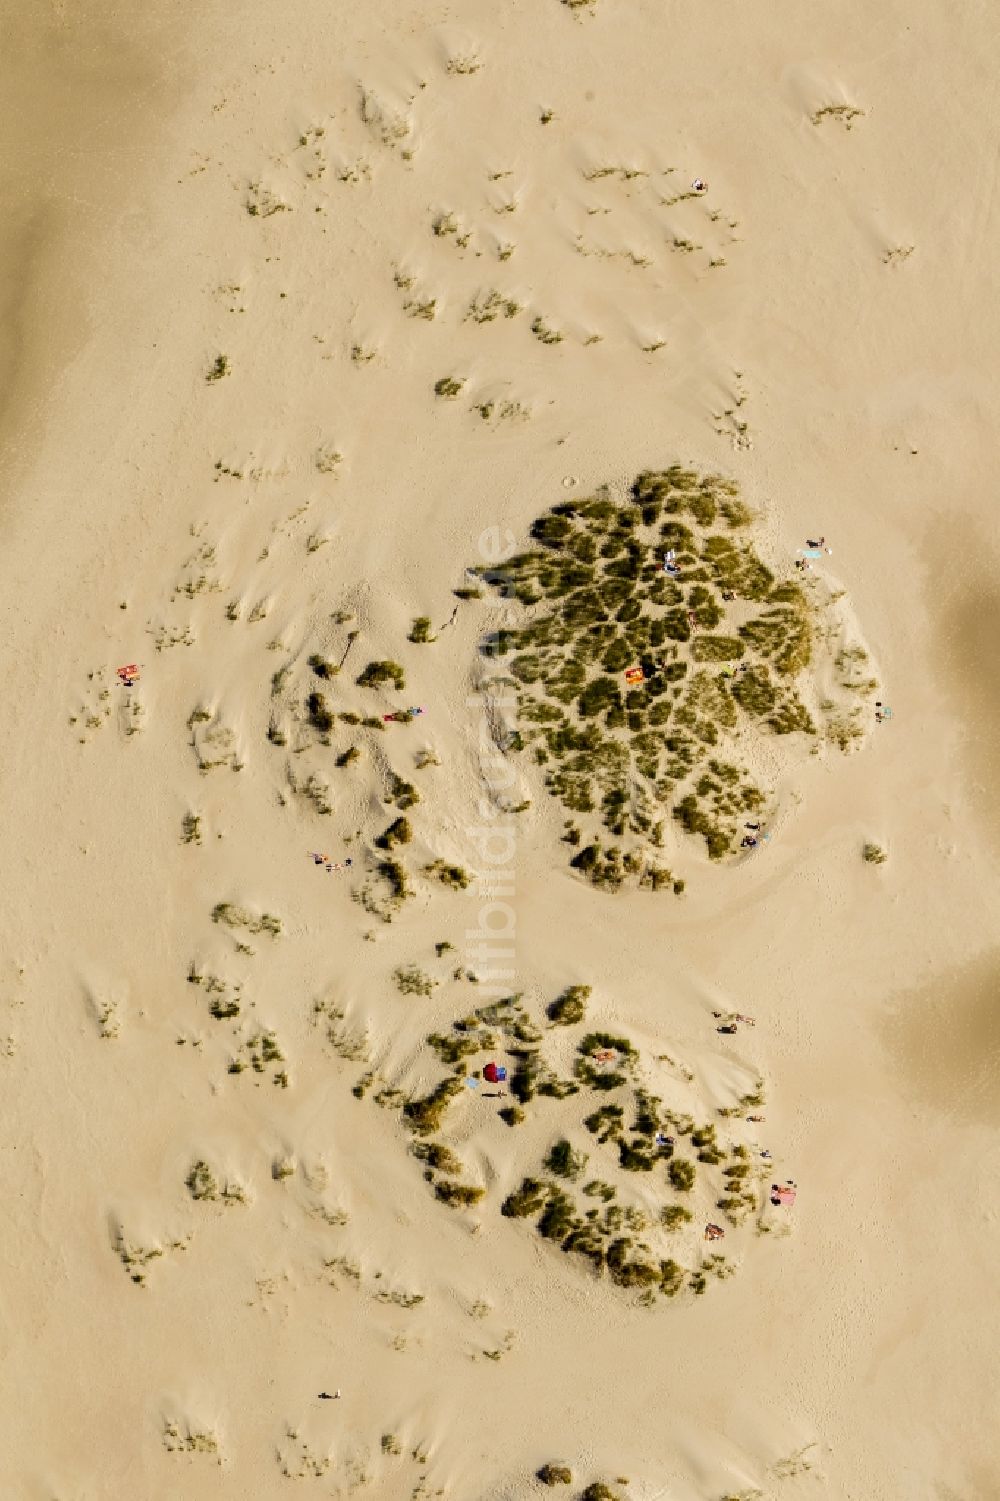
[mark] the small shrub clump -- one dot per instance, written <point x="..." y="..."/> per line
<point x="411" y="980"/>
<point x="570" y="1007"/>
<point x="376" y="674"/>
<point x="201" y="1182"/>
<point x="319" y="713"/>
<point x="398" y="832"/>
<point x="564" y="1161"/>
<point x="455" y="876"/>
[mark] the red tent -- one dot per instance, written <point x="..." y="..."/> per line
<point x="494" y="1073"/>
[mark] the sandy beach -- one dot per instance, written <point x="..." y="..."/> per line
<point x="499" y="977"/>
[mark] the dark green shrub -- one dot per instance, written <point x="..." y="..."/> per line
<point x="629" y="1271"/>
<point x="524" y="1080"/>
<point x="552" y="530"/>
<point x="439" y="1158"/>
<point x="457" y="1195"/>
<point x="320" y="716"/>
<point x="606" y="1122"/>
<point x="398" y="832"/>
<point x="564" y="1161"/>
<point x="425" y="1115"/>
<point x="618" y="655"/>
<point x="791" y="716"/>
<point x="557" y="1218"/>
<point x="601" y="694"/>
<point x="570" y="1007"/>
<point x="671" y="1276"/>
<point x="402" y="793"/>
<point x="681" y="1173"/>
<point x="377" y="673"/>
<point x="634" y="1159"/>
<point x="526" y="1200"/>
<point x="673" y="1216"/>
<point x="395" y="875"/>
<point x="693" y="818"/>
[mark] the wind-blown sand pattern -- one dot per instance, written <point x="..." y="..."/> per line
<point x="498" y="980"/>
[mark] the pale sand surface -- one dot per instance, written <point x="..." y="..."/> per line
<point x="863" y="1340"/>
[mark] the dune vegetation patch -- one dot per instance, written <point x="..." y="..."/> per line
<point x="623" y="1170"/>
<point x="656" y="652"/>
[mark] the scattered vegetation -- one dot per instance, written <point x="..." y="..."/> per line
<point x="631" y="1128"/>
<point x="842" y="114"/>
<point x="487" y="307"/>
<point x="874" y="854"/>
<point x="191" y="1440"/>
<point x="455" y="876"/>
<point x="411" y="980"/>
<point x="260" y="1051"/>
<point x="134" y="1258"/>
<point x="232" y="916"/>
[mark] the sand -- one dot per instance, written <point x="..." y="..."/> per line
<point x="818" y="327"/>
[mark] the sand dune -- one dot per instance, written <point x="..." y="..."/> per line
<point x="356" y="364"/>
